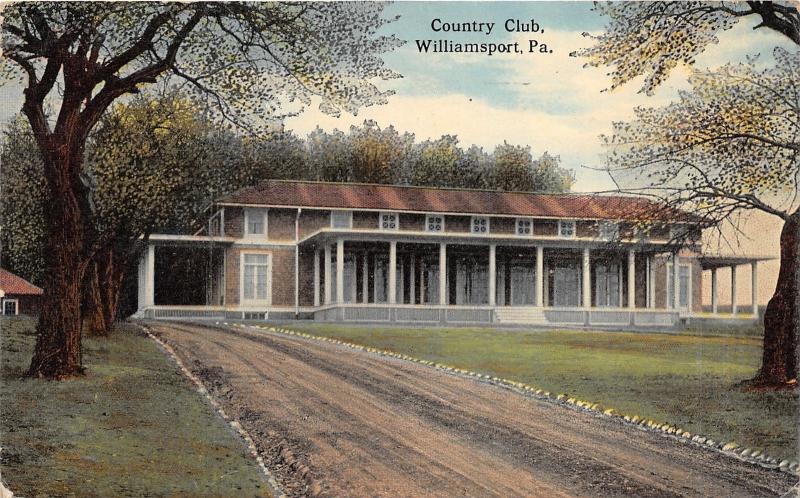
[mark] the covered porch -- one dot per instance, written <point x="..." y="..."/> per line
<point x="506" y="281"/>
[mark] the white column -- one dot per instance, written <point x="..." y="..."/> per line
<point x="631" y="279"/>
<point x="492" y="274"/>
<point x="754" y="292"/>
<point x="442" y="273"/>
<point x="412" y="292"/>
<point x="539" y="276"/>
<point x="392" y="272"/>
<point x="150" y="275"/>
<point x="714" y="291"/>
<point x="733" y="290"/>
<point x="652" y="275"/>
<point x="587" y="279"/>
<point x="340" y="270"/>
<point x="328" y="274"/>
<point x="316" y="277"/>
<point x="676" y="281"/>
<point x="422" y="281"/>
<point x="365" y="278"/>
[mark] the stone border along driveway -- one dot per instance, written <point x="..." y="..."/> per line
<point x="730" y="449"/>
<point x="274" y="487"/>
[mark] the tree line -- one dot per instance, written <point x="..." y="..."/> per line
<point x="154" y="164"/>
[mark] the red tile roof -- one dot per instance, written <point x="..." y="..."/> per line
<point x="12" y="284"/>
<point x="440" y="200"/>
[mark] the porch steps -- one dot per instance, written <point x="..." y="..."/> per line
<point x="512" y="315"/>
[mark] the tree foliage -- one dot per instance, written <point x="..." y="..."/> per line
<point x="244" y="61"/>
<point x="24" y="195"/>
<point x="650" y="38"/>
<point x="730" y="143"/>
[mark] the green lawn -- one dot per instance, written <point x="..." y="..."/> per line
<point x="686" y="380"/>
<point x="133" y="426"/>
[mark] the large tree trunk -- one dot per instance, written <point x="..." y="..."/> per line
<point x="782" y="317"/>
<point x="103" y="287"/>
<point x="57" y="353"/>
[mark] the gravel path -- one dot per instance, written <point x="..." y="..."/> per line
<point x="331" y="421"/>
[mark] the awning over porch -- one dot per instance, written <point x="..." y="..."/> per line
<point x="713" y="261"/>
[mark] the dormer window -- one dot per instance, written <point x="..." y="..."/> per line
<point x="255" y="221"/>
<point x="388" y="221"/>
<point x="524" y="226"/>
<point x="566" y="229"/>
<point x="480" y="225"/>
<point x="609" y="230"/>
<point x="434" y="223"/>
<point x="342" y="219"/>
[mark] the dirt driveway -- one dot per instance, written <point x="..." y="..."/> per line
<point x="333" y="421"/>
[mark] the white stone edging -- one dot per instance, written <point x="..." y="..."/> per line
<point x="731" y="449"/>
<point x="275" y="488"/>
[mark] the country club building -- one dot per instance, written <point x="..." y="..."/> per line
<point x="377" y="253"/>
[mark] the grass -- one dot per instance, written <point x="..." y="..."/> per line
<point x="133" y="426"/>
<point x="684" y="379"/>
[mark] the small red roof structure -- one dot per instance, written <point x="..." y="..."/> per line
<point x="11" y="284"/>
<point x="326" y="195"/>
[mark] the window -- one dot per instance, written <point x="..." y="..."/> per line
<point x="255" y="221"/>
<point x="609" y="230"/>
<point x="341" y="219"/>
<point x="434" y="223"/>
<point x="255" y="277"/>
<point x="566" y="229"/>
<point x="388" y="221"/>
<point x="480" y="224"/>
<point x="10" y="307"/>
<point x="684" y="285"/>
<point x="524" y="226"/>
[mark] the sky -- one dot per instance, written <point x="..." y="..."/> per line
<point x="549" y="102"/>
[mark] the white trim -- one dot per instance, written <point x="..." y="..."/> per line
<point x="396" y="215"/>
<point x="437" y="215"/>
<point x="414" y="211"/>
<point x="10" y="300"/>
<point x="516" y="226"/>
<point x="472" y="225"/>
<point x="350" y="216"/>
<point x="574" y="229"/>
<point x="246" y="232"/>
<point x="255" y="302"/>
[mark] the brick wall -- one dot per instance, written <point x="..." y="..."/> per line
<point x="282" y="275"/>
<point x="457" y="223"/>
<point x="413" y="222"/>
<point x="545" y="227"/>
<point x="280" y="226"/>
<point x="365" y="220"/>
<point x="313" y="220"/>
<point x="586" y="229"/>
<point x="307" y="277"/>
<point x="503" y="225"/>
<point x="234" y="222"/>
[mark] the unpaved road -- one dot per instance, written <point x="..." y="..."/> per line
<point x="336" y="422"/>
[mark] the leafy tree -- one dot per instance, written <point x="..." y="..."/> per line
<point x="651" y="38"/>
<point x="150" y="169"/>
<point x="730" y="144"/>
<point x="23" y="199"/>
<point x="515" y="169"/>
<point x="242" y="59"/>
<point x="378" y="155"/>
<point x="329" y="155"/>
<point x="437" y="163"/>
